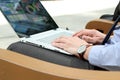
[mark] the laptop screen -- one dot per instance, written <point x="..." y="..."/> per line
<point x="27" y="17"/>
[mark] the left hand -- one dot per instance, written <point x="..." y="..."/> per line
<point x="91" y="36"/>
<point x="69" y="44"/>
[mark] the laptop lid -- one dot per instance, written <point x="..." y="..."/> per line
<point x="27" y="17"/>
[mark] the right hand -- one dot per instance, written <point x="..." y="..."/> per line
<point x="91" y="36"/>
<point x="70" y="44"/>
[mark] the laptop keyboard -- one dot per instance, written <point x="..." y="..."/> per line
<point x="49" y="39"/>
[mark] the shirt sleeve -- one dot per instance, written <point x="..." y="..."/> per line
<point x="105" y="55"/>
<point x="108" y="54"/>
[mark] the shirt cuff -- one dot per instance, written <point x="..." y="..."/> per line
<point x="95" y="54"/>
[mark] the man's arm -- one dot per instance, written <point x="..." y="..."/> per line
<point x="102" y="55"/>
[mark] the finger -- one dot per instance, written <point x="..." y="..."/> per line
<point x="80" y="33"/>
<point x="59" y="45"/>
<point x="62" y="39"/>
<point x="92" y="40"/>
<point x="88" y="39"/>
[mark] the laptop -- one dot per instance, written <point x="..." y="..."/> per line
<point x="32" y="23"/>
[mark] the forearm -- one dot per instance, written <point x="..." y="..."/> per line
<point x="101" y="55"/>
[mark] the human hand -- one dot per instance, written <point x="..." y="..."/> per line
<point x="69" y="44"/>
<point x="91" y="36"/>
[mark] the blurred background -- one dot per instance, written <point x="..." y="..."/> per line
<point x="74" y="14"/>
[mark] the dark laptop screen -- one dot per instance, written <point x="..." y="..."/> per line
<point x="27" y="17"/>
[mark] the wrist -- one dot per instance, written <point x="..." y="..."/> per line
<point x="86" y="53"/>
<point x="82" y="50"/>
